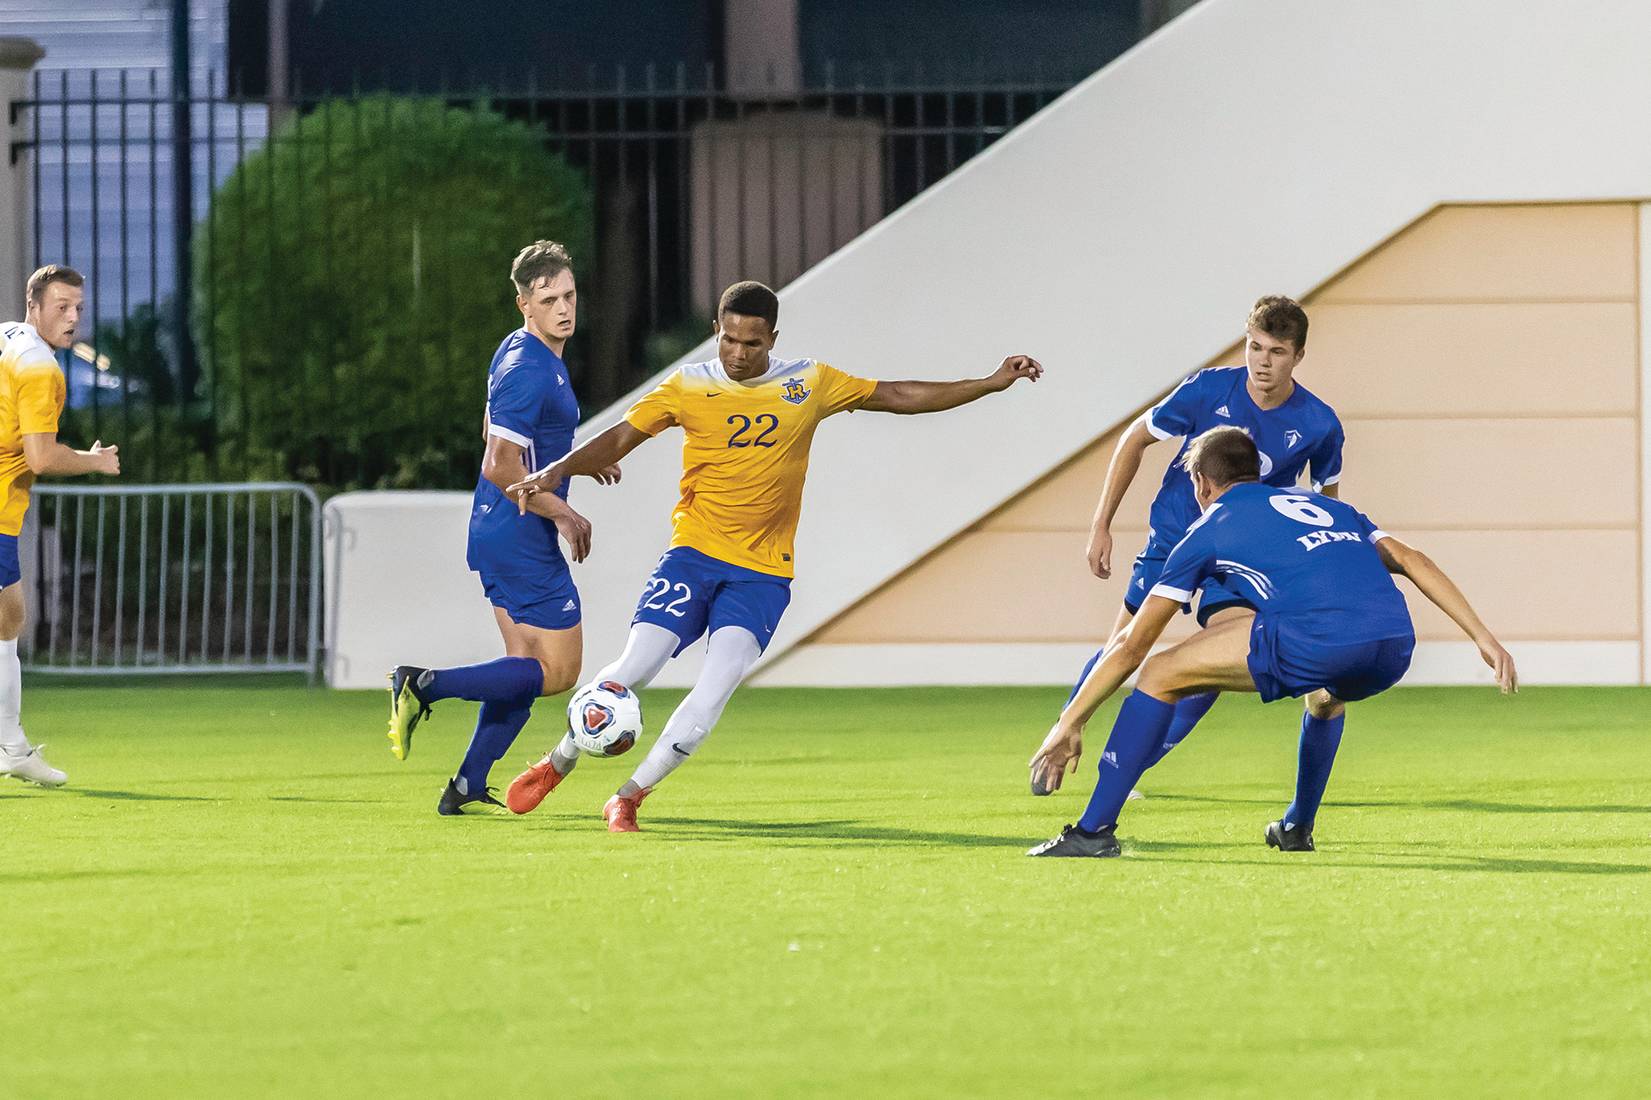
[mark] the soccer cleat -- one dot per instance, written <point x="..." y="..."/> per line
<point x="621" y="812"/>
<point x="1289" y="838"/>
<point x="1074" y="841"/>
<point x="407" y="710"/>
<point x="527" y="790"/>
<point x="453" y="803"/>
<point x="31" y="767"/>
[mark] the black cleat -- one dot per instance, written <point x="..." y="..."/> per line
<point x="454" y="804"/>
<point x="1074" y="841"/>
<point x="1292" y="838"/>
<point x="407" y="709"/>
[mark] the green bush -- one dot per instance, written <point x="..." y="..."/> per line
<point x="352" y="283"/>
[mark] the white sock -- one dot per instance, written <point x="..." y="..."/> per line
<point x="565" y="755"/>
<point x="11" y="700"/>
<point x="732" y="652"/>
<point x="647" y="649"/>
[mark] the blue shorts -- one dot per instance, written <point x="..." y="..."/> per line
<point x="1285" y="662"/>
<point x="1213" y="596"/>
<point x="548" y="600"/>
<point x="10" y="571"/>
<point x="691" y="593"/>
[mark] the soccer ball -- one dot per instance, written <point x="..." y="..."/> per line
<point x="605" y="718"/>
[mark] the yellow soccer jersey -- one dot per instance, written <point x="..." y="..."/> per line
<point x="745" y="453"/>
<point x="32" y="391"/>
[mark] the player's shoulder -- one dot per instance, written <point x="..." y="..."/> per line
<point x="1317" y="406"/>
<point x="22" y="348"/>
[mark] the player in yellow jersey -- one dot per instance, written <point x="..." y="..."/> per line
<point x="748" y="419"/>
<point x="32" y="391"/>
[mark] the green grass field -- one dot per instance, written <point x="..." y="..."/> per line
<point x="243" y="894"/>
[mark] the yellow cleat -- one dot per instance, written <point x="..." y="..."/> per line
<point x="406" y="710"/>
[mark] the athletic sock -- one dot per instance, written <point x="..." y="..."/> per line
<point x="501" y="680"/>
<point x="565" y="755"/>
<point x="1084" y="675"/>
<point x="1320" y="738"/>
<point x="1188" y="712"/>
<point x="1141" y="725"/>
<point x="496" y="728"/>
<point x="11" y="700"/>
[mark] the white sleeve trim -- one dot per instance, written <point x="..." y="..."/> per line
<point x="1169" y="592"/>
<point x="506" y="434"/>
<point x="1320" y="486"/>
<point x="1157" y="432"/>
<point x="1378" y="535"/>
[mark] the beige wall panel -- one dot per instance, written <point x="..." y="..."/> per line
<point x="1498" y="253"/>
<point x="1418" y="474"/>
<point x="1535" y="585"/>
<point x="1475" y="359"/>
<point x="1013" y="586"/>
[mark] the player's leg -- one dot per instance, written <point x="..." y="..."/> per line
<point x="1214" y="659"/>
<point x="1215" y="606"/>
<point x="1321" y="724"/>
<point x="549" y="601"/>
<point x="1348" y="673"/>
<point x="557" y="652"/>
<point x="18" y="758"/>
<point x="744" y="609"/>
<point x="646" y="652"/>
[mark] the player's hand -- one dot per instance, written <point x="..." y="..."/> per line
<point x="522" y="491"/>
<point x="108" y="458"/>
<point x="1501" y="663"/>
<point x="1013" y="369"/>
<point x="575" y="529"/>
<point x="1060" y="750"/>
<point x="1100" y="553"/>
<point x="608" y="475"/>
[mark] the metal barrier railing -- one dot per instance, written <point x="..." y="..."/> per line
<point x="173" y="578"/>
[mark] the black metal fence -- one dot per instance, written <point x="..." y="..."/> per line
<point x="686" y="187"/>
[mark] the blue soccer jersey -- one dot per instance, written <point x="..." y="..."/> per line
<point x="1299" y="558"/>
<point x="530" y="402"/>
<point x="1300" y="434"/>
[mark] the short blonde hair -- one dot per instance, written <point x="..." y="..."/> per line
<point x="46" y="276"/>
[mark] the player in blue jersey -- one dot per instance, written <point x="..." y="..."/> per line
<point x="531" y="417"/>
<point x="1296" y="432"/>
<point x="1320" y="617"/>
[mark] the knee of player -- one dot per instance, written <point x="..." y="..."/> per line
<point x="1157" y="678"/>
<point x="1321" y="704"/>
<point x="557" y="676"/>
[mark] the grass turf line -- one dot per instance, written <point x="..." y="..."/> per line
<point x="242" y="893"/>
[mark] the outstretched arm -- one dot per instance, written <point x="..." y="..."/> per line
<point x="45" y="455"/>
<point x="589" y="458"/>
<point x="1411" y="562"/>
<point x="928" y="397"/>
<point x="1064" y="744"/>
<point x="1126" y="463"/>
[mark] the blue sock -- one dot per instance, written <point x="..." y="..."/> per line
<point x="496" y="728"/>
<point x="1320" y="737"/>
<point x="1084" y="675"/>
<point x="1188" y="712"/>
<point x="1141" y="725"/>
<point x="508" y="678"/>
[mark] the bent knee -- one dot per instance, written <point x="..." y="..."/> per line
<point x="1321" y="704"/>
<point x="1156" y="677"/>
<point x="557" y="677"/>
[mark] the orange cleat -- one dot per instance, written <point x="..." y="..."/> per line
<point x="529" y="789"/>
<point x="621" y="812"/>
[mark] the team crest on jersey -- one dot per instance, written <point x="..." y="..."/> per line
<point x="794" y="391"/>
<point x="1291" y="438"/>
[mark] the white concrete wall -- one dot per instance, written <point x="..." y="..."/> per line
<point x="1251" y="145"/>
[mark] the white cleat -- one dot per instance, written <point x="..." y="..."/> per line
<point x="1134" y="796"/>
<point x="31" y="767"/>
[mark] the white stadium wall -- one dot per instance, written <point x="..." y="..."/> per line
<point x="1250" y="146"/>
